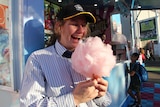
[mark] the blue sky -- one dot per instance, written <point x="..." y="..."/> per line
<point x="116" y="17"/>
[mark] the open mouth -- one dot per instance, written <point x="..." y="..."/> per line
<point x="76" y="38"/>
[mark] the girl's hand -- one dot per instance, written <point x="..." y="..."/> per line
<point x="102" y="86"/>
<point x="86" y="91"/>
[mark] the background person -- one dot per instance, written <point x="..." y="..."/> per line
<point x="151" y="55"/>
<point x="150" y="46"/>
<point x="135" y="84"/>
<point x="142" y="56"/>
<point x="50" y="81"/>
<point x="148" y="54"/>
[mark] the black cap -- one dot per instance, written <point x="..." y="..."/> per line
<point x="73" y="10"/>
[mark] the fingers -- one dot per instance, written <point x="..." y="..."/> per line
<point x="88" y="90"/>
<point x="95" y="76"/>
<point x="85" y="91"/>
<point x="102" y="86"/>
<point x="100" y="80"/>
<point x="99" y="83"/>
<point x="89" y="83"/>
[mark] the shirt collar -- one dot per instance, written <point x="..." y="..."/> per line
<point x="59" y="48"/>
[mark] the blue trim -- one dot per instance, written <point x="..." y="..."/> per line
<point x="126" y="102"/>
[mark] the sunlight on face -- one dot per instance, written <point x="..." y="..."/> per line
<point x="72" y="31"/>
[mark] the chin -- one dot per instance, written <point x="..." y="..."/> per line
<point x="74" y="45"/>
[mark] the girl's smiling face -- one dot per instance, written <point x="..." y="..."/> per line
<point x="72" y="31"/>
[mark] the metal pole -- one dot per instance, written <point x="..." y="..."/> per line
<point x="133" y="27"/>
<point x="157" y="25"/>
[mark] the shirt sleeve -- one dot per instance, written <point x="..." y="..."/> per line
<point x="103" y="101"/>
<point x="32" y="93"/>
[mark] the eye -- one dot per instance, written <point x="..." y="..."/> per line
<point x="84" y="25"/>
<point x="74" y="24"/>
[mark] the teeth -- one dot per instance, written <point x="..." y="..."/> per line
<point x="76" y="37"/>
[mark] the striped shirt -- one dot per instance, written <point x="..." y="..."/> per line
<point x="49" y="80"/>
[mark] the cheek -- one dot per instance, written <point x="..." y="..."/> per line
<point x="67" y="30"/>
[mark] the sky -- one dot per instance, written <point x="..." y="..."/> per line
<point x="116" y="17"/>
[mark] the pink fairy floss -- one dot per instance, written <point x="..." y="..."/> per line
<point x="93" y="57"/>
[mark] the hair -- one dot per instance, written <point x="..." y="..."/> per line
<point x="56" y="32"/>
<point x="135" y="55"/>
<point x="142" y="51"/>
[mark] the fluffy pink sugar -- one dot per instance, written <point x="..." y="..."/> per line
<point x="93" y="57"/>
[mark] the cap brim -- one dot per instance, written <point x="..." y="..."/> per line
<point x="89" y="16"/>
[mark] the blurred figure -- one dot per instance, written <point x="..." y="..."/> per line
<point x="135" y="84"/>
<point x="148" y="54"/>
<point x="151" y="55"/>
<point x="142" y="56"/>
<point x="150" y="47"/>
